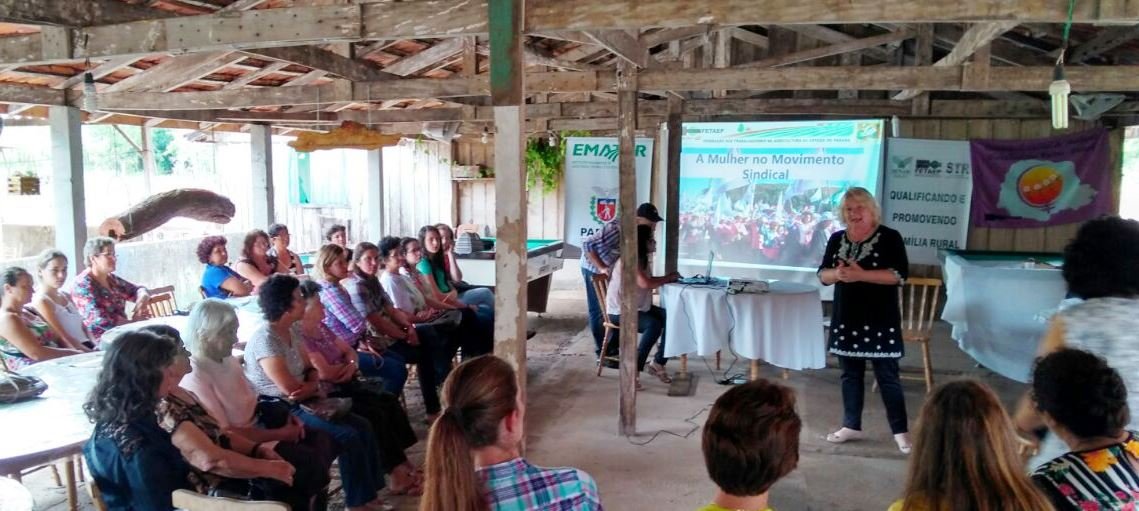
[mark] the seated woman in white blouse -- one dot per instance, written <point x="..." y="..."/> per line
<point x="54" y="305"/>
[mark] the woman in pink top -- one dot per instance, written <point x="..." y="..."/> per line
<point x="219" y="383"/>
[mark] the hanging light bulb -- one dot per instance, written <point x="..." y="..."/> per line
<point x="485" y="134"/>
<point x="90" y="103"/>
<point x="1059" y="90"/>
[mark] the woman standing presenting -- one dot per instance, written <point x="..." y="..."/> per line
<point x="866" y="262"/>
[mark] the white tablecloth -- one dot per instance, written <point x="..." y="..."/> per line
<point x="783" y="327"/>
<point x="993" y="306"/>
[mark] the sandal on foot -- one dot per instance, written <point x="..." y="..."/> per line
<point x="844" y="435"/>
<point x="903" y="441"/>
<point x="659" y="371"/>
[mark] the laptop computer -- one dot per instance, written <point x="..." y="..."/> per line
<point x="703" y="280"/>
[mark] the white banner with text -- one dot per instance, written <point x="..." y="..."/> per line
<point x="591" y="185"/>
<point x="926" y="196"/>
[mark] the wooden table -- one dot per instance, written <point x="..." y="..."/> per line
<point x="50" y="427"/>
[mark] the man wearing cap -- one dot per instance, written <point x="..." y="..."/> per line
<point x="598" y="253"/>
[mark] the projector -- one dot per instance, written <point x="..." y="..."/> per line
<point x="747" y="286"/>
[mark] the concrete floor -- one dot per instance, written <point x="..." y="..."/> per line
<point x="572" y="421"/>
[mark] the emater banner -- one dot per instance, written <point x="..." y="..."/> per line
<point x="591" y="185"/>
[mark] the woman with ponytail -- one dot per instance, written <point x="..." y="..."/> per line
<point x="474" y="461"/>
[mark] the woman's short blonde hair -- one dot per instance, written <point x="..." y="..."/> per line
<point x="208" y="323"/>
<point x="862" y="195"/>
<point x="327" y="255"/>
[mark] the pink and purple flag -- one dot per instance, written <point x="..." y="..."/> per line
<point x="1041" y="182"/>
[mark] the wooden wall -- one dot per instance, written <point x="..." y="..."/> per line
<point x="417" y="191"/>
<point x="417" y="186"/>
<point x="1050" y="239"/>
<point x="475" y="198"/>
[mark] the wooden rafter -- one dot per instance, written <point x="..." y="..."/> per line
<point x="1088" y="78"/>
<point x="176" y="72"/>
<point x="76" y="13"/>
<point x="947" y="36"/>
<point x="832" y="36"/>
<point x="312" y="57"/>
<point x="623" y="45"/>
<point x="543" y="15"/>
<point x="834" y="49"/>
<point x="253" y="76"/>
<point x="417" y="62"/>
<point x="449" y="18"/>
<point x="100" y="71"/>
<point x="978" y="35"/>
<point x="1106" y="40"/>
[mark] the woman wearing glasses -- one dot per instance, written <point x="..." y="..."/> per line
<point x="100" y="295"/>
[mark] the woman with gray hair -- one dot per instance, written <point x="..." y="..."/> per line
<point x="100" y="295"/>
<point x="218" y="381"/>
<point x="866" y="263"/>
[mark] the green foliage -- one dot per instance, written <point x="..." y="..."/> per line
<point x="545" y="164"/>
<point x="105" y="149"/>
<point x="164" y="150"/>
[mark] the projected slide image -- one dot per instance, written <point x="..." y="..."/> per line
<point x="766" y="224"/>
<point x="766" y="194"/>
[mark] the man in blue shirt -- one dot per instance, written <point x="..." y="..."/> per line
<point x="598" y="253"/>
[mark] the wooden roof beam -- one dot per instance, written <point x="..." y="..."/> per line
<point x="176" y="72"/>
<point x="312" y="57"/>
<point x="1106" y="40"/>
<point x="834" y="49"/>
<point x="253" y="76"/>
<point x="244" y="30"/>
<point x="978" y="35"/>
<point x="76" y="13"/>
<point x="951" y="78"/>
<point x="417" y="62"/>
<point x="1003" y="51"/>
<point x="290" y="26"/>
<point x="832" y="36"/>
<point x="623" y="45"/>
<point x="543" y="15"/>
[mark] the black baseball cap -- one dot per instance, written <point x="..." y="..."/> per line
<point x="649" y="212"/>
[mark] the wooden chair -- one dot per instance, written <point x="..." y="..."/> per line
<point x="601" y="287"/>
<point x="190" y="501"/>
<point x="161" y="302"/>
<point x="918" y="300"/>
<point x="96" y="495"/>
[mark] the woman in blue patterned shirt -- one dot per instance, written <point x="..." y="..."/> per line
<point x="474" y="461"/>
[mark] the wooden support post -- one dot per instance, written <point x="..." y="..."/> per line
<point x="374" y="197"/>
<point x="923" y="56"/>
<point x="506" y="88"/>
<point x="67" y="183"/>
<point x="672" y="178"/>
<point x="262" y="212"/>
<point x="627" y="199"/>
<point x="147" y="154"/>
<point x="682" y="384"/>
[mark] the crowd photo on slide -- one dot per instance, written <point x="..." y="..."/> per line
<point x="784" y="224"/>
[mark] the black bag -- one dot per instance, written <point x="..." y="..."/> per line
<point x="272" y="412"/>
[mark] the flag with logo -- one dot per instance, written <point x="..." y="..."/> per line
<point x="1041" y="182"/>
